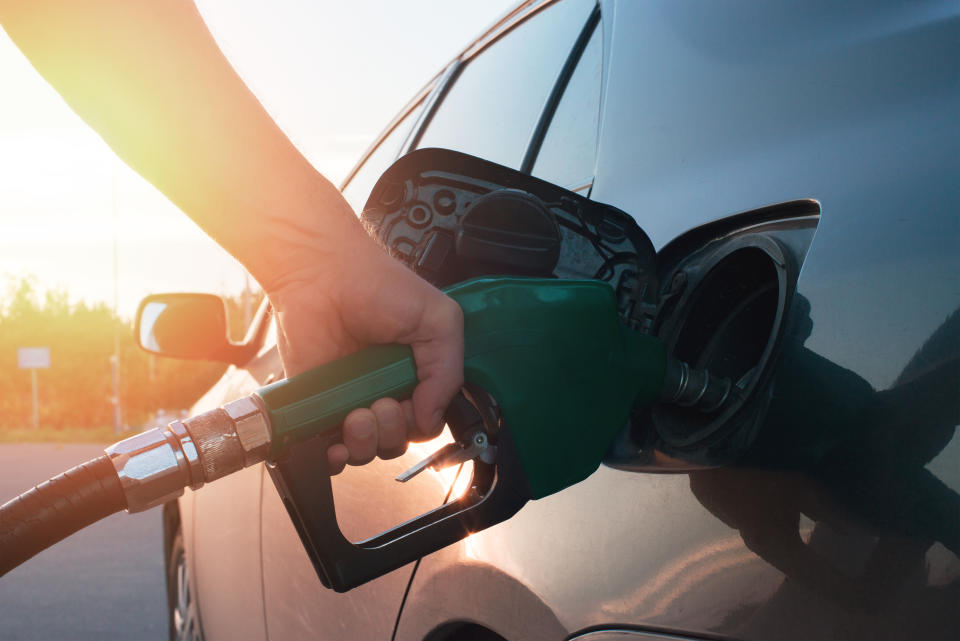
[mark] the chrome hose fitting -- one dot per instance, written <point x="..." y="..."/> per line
<point x="155" y="466"/>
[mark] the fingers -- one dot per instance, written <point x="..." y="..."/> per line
<point x="360" y="436"/>
<point x="337" y="456"/>
<point x="382" y="430"/>
<point x="408" y="416"/>
<point x="392" y="439"/>
<point x="439" y="360"/>
<point x="322" y="318"/>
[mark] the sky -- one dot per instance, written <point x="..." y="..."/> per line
<point x="331" y="74"/>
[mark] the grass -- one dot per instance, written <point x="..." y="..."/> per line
<point x="66" y="435"/>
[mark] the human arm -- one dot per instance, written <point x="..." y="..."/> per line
<point x="149" y="78"/>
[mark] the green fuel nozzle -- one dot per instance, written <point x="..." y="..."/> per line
<point x="552" y="355"/>
<point x="551" y="377"/>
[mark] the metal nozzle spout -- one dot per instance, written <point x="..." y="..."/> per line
<point x="689" y="387"/>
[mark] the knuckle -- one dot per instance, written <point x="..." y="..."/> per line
<point x="409" y="418"/>
<point x="453" y="312"/>
<point x="446" y="314"/>
<point x="359" y="427"/>
<point x="357" y="416"/>
<point x="388" y="412"/>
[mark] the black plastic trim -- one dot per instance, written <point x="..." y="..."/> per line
<point x="438" y="99"/>
<point x="559" y="87"/>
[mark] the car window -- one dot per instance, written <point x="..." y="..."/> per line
<point x="568" y="151"/>
<point x="365" y="178"/>
<point x="495" y="102"/>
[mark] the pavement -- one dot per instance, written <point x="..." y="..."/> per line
<point x="104" y="583"/>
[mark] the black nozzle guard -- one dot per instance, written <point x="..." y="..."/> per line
<point x="302" y="478"/>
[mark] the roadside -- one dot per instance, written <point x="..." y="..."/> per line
<point x="103" y="583"/>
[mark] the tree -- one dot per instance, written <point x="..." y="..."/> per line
<point x="75" y="391"/>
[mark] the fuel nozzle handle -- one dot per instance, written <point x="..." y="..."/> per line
<point x="155" y="466"/>
<point x="552" y="353"/>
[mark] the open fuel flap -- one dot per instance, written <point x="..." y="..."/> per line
<point x="450" y="217"/>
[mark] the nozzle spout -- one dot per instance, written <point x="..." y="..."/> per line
<point x="689" y="387"/>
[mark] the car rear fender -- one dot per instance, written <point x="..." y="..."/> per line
<point x="449" y="594"/>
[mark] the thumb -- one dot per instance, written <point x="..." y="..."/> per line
<point x="439" y="360"/>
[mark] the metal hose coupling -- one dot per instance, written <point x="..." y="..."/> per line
<point x="154" y="466"/>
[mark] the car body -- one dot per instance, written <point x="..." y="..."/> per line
<point x="808" y="150"/>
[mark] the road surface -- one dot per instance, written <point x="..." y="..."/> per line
<point x="103" y="583"/>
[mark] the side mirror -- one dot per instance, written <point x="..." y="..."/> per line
<point x="190" y="326"/>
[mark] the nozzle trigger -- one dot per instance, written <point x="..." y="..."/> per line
<point x="478" y="446"/>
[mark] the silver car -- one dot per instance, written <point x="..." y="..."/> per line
<point x="796" y="168"/>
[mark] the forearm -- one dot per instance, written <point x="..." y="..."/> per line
<point x="149" y="78"/>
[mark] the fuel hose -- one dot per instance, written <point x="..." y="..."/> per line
<point x="135" y="474"/>
<point x="57" y="508"/>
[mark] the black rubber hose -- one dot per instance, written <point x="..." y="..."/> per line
<point x="57" y="508"/>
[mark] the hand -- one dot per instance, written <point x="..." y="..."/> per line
<point x="357" y="295"/>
